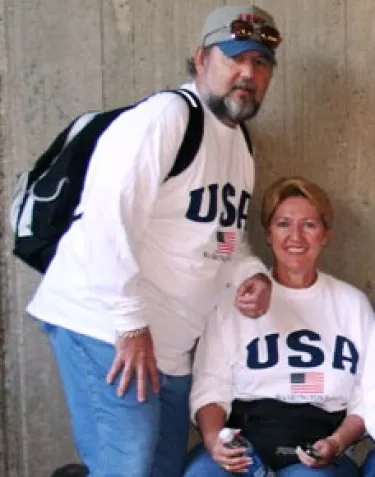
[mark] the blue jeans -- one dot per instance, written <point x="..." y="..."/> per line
<point x="368" y="466"/>
<point x="343" y="467"/>
<point x="117" y="436"/>
<point x="201" y="464"/>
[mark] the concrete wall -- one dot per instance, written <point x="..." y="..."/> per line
<point x="58" y="58"/>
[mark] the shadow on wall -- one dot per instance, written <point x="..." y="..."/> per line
<point x="320" y="135"/>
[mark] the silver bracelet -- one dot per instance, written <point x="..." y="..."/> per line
<point x="131" y="333"/>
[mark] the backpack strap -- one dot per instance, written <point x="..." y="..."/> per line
<point x="80" y="123"/>
<point x="247" y="137"/>
<point x="193" y="135"/>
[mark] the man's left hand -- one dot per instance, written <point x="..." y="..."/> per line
<point x="253" y="296"/>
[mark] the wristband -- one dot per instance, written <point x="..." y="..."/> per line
<point x="131" y="333"/>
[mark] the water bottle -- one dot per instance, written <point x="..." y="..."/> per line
<point x="230" y="438"/>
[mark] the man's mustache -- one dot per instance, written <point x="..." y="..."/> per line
<point x="244" y="86"/>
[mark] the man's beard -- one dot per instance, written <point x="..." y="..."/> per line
<point x="223" y="107"/>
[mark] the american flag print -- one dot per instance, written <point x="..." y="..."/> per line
<point x="307" y="383"/>
<point x="226" y="242"/>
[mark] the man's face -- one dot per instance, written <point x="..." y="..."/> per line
<point x="233" y="88"/>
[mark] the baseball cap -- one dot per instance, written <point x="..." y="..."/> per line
<point x="294" y="186"/>
<point x="217" y="30"/>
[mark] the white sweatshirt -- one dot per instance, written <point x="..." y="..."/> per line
<point x="369" y="387"/>
<point x="150" y="253"/>
<point x="309" y="347"/>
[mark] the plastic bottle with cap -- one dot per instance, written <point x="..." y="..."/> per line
<point x="232" y="439"/>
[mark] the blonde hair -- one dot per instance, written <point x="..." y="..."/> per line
<point x="292" y="187"/>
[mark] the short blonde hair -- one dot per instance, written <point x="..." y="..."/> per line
<point x="292" y="187"/>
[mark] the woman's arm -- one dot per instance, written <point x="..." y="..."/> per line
<point x="212" y="391"/>
<point x="210" y="419"/>
<point x="212" y="371"/>
<point x="368" y="386"/>
<point x="351" y="429"/>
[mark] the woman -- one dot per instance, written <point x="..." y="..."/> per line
<point x="290" y="378"/>
<point x="368" y="382"/>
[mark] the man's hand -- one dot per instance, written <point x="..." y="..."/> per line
<point x="253" y="296"/>
<point x="135" y="356"/>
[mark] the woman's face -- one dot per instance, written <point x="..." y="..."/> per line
<point x="297" y="235"/>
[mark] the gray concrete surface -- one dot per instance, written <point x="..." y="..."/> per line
<point x="58" y="58"/>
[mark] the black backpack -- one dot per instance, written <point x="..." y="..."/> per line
<point x="46" y="196"/>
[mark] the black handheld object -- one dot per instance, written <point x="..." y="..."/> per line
<point x="311" y="451"/>
<point x="238" y="441"/>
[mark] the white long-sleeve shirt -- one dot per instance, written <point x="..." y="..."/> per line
<point x="148" y="252"/>
<point x="308" y="348"/>
<point x="369" y="387"/>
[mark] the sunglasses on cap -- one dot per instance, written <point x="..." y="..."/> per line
<point x="246" y="30"/>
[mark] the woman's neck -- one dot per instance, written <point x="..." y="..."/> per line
<point x="291" y="279"/>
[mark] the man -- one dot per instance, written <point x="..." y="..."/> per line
<point x="133" y="281"/>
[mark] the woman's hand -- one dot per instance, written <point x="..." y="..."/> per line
<point x="232" y="460"/>
<point x="327" y="448"/>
